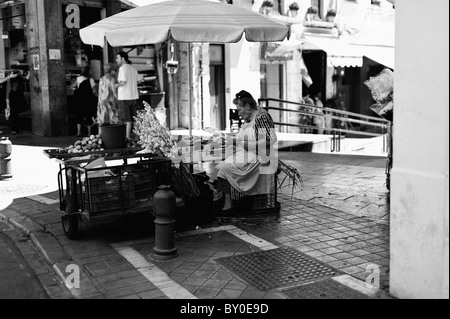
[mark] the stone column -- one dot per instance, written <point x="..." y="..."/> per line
<point x="294" y="89"/>
<point x="184" y="86"/>
<point x="2" y="46"/>
<point x="47" y="81"/>
<point x="112" y="7"/>
<point x="419" y="178"/>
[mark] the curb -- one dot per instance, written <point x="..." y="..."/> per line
<point x="18" y="226"/>
<point x="362" y="287"/>
<point x="41" y="249"/>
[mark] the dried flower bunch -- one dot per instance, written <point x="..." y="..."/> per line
<point x="382" y="88"/>
<point x="154" y="136"/>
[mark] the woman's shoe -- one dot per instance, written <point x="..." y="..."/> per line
<point x="229" y="211"/>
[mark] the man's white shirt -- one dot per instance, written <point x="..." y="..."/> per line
<point x="129" y="91"/>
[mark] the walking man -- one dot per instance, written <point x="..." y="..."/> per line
<point x="128" y="94"/>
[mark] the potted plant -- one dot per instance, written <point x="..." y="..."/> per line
<point x="331" y="15"/>
<point x="311" y="13"/>
<point x="293" y="9"/>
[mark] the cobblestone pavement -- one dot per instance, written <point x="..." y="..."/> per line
<point x="340" y="219"/>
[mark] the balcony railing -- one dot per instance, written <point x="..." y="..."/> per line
<point x="376" y="126"/>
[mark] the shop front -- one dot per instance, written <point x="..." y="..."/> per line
<point x="13" y="51"/>
<point x="41" y="37"/>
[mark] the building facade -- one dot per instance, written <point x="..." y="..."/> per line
<point x="40" y="37"/>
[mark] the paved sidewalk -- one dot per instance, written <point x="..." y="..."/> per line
<point x="340" y="221"/>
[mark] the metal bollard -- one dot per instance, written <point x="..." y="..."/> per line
<point x="164" y="205"/>
<point x="5" y="162"/>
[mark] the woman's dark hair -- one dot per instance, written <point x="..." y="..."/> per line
<point x="245" y="98"/>
<point x="86" y="71"/>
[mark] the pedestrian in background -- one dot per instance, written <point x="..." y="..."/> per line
<point x="9" y="77"/>
<point x="4" y="89"/>
<point x="86" y="99"/>
<point x="128" y="93"/>
<point x="16" y="102"/>
<point x="108" y="104"/>
<point x="319" y="119"/>
<point x="306" y="120"/>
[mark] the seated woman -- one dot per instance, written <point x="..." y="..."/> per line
<point x="251" y="167"/>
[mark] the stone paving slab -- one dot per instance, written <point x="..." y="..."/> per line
<point x="353" y="247"/>
<point x="197" y="268"/>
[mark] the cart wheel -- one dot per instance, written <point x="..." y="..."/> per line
<point x="70" y="220"/>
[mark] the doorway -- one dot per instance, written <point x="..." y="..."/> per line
<point x="217" y="87"/>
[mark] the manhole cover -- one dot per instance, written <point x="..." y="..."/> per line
<point x="283" y="267"/>
<point x="327" y="289"/>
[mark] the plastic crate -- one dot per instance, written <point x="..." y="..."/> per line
<point x="108" y="193"/>
<point x="148" y="176"/>
<point x="257" y="203"/>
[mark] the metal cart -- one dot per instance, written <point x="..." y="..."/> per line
<point x="125" y="187"/>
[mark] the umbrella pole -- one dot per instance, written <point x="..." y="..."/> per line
<point x="189" y="91"/>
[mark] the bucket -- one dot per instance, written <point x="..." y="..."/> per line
<point x="114" y="136"/>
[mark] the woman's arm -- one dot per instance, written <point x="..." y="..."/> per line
<point x="265" y="129"/>
<point x="9" y="77"/>
<point x="94" y="86"/>
<point x="265" y="136"/>
<point x="114" y="87"/>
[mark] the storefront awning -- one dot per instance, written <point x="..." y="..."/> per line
<point x="339" y="53"/>
<point x="343" y="54"/>
<point x="346" y="61"/>
<point x="382" y="55"/>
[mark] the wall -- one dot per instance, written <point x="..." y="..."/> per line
<point x="242" y="61"/>
<point x="419" y="180"/>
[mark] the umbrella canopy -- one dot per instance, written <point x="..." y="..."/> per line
<point x="184" y="21"/>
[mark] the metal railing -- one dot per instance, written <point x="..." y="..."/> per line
<point x="344" y="118"/>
